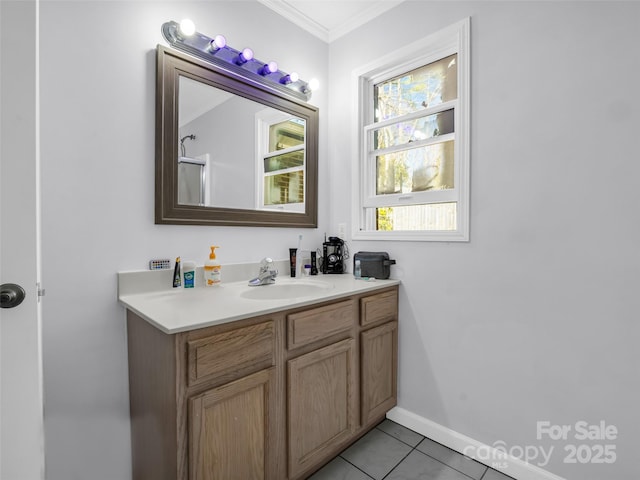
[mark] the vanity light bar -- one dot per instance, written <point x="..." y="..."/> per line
<point x="241" y="62"/>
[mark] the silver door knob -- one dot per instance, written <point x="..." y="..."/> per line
<point x="11" y="295"/>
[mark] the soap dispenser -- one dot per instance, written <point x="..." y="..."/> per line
<point x="212" y="269"/>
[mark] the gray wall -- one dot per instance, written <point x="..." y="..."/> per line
<point x="233" y="156"/>
<point x="532" y="320"/>
<point x="536" y="318"/>
<point x="98" y="129"/>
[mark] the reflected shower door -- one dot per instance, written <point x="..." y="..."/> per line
<point x="191" y="181"/>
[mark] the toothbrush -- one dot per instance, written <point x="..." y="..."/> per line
<point x="299" y="257"/>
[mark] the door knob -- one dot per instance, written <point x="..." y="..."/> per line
<point x="11" y="295"/>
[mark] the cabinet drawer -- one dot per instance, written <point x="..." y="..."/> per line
<point x="318" y="323"/>
<point x="236" y="352"/>
<point x="381" y="307"/>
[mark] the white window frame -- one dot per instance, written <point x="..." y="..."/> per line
<point x="264" y="120"/>
<point x="453" y="39"/>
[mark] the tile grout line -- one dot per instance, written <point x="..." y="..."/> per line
<point x="498" y="471"/>
<point x="402" y="441"/>
<point x="403" y="459"/>
<point x="408" y="445"/>
<point x="394" y="467"/>
<point x="426" y="454"/>
<point x="421" y="452"/>
<point x="486" y="468"/>
<point x="356" y="467"/>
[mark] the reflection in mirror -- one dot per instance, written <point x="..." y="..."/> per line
<point x="237" y="153"/>
<point x="282" y="162"/>
<point x="231" y="152"/>
<point x="192" y="180"/>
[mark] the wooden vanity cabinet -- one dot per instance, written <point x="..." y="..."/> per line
<point x="322" y="383"/>
<point x="267" y="398"/>
<point x="230" y="434"/>
<point x="378" y="365"/>
<point x="206" y="404"/>
<point x="378" y="354"/>
<point x="231" y="400"/>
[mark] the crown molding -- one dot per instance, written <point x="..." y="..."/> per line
<point x="369" y="11"/>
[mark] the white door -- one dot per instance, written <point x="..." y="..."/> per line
<point x="21" y="403"/>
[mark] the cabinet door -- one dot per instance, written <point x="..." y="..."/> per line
<point x="379" y="364"/>
<point x="322" y="404"/>
<point x="230" y="432"/>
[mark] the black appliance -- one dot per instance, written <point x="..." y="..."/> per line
<point x="333" y="256"/>
<point x="373" y="264"/>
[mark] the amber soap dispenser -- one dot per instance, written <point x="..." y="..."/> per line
<point x="212" y="269"/>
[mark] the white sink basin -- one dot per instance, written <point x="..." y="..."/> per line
<point x="283" y="289"/>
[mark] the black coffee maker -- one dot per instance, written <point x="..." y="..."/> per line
<point x="333" y="256"/>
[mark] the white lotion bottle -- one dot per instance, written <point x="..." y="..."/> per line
<point x="212" y="269"/>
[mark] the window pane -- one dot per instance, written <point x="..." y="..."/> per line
<point x="416" y="90"/>
<point x="286" y="160"/>
<point x="414" y="130"/>
<point x="416" y="170"/>
<point x="434" y="217"/>
<point x="286" y="134"/>
<point x="284" y="188"/>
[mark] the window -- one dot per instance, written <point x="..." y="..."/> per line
<point x="281" y="161"/>
<point x="413" y="161"/>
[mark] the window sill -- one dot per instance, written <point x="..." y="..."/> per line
<point x="412" y="236"/>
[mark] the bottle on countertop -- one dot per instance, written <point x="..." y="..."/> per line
<point x="212" y="269"/>
<point x="189" y="274"/>
<point x="177" y="276"/>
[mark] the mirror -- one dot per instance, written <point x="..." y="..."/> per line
<point x="231" y="151"/>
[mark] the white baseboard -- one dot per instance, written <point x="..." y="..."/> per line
<point x="513" y="467"/>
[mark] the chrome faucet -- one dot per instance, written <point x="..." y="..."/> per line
<point x="266" y="275"/>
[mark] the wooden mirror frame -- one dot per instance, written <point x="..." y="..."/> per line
<point x="172" y="64"/>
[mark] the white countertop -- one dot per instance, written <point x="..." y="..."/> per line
<point x="178" y="310"/>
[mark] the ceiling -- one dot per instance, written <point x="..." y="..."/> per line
<point x="330" y="19"/>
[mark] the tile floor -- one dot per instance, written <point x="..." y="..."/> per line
<point x="393" y="452"/>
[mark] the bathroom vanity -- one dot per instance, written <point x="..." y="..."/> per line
<point x="272" y="389"/>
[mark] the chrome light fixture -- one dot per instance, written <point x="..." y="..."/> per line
<point x="241" y="62"/>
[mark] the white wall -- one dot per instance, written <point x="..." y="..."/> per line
<point x="98" y="128"/>
<point x="536" y="317"/>
<point x="532" y="320"/>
